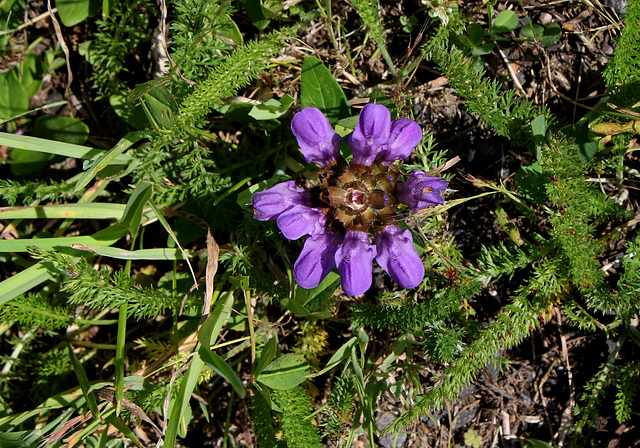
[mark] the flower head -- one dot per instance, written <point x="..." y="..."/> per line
<point x="351" y="215"/>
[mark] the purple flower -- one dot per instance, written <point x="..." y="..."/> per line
<point x="318" y="141"/>
<point x="353" y="259"/>
<point x="422" y="191"/>
<point x="398" y="257"/>
<point x="404" y="136"/>
<point x="371" y="134"/>
<point x="351" y="203"/>
<point x="270" y="203"/>
<point x="317" y="258"/>
<point x="301" y="220"/>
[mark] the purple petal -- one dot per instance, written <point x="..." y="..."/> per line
<point x="421" y="191"/>
<point x="301" y="220"/>
<point x="270" y="203"/>
<point x="398" y="257"/>
<point x="404" y="136"/>
<point x="316" y="259"/>
<point x="318" y="141"/>
<point x="353" y="259"/>
<point x="371" y="133"/>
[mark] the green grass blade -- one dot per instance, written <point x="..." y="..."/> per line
<point x="104" y="237"/>
<point x="165" y="253"/>
<point x="59" y="148"/>
<point x="121" y="339"/>
<point x="181" y="402"/>
<point x="23" y="281"/>
<point x="110" y="157"/>
<point x="84" y="383"/>
<point x="64" y="211"/>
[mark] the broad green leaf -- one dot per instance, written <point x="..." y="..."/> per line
<point x="14" y="99"/>
<point x="505" y="21"/>
<point x="23" y="281"/>
<point x="259" y="15"/>
<point x="267" y="354"/>
<point x="160" y="106"/>
<point x="25" y="163"/>
<point x="61" y="129"/>
<point x="320" y="89"/>
<point x="476" y="33"/>
<point x="72" y="12"/>
<point x="31" y="72"/>
<point x="218" y="365"/>
<point x="134" y="115"/>
<point x="539" y="128"/>
<point x="132" y="215"/>
<point x="208" y="334"/>
<point x="232" y="31"/>
<point x="272" y="109"/>
<point x="532" y="31"/>
<point x="531" y="181"/>
<point x="551" y="34"/>
<point x="59" y="148"/>
<point x="483" y="49"/>
<point x="285" y="372"/>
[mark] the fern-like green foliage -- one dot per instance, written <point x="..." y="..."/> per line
<point x="264" y="423"/>
<point x="627" y="385"/>
<point x="415" y="316"/>
<point x="299" y="430"/>
<point x="622" y="74"/>
<point x="234" y="72"/>
<point x="518" y="319"/>
<point x="197" y="36"/>
<point x="577" y="203"/>
<point x="28" y="192"/>
<point x="502" y="259"/>
<point x="501" y="110"/>
<point x="369" y="12"/>
<point x="339" y="412"/>
<point x="104" y="290"/>
<point x="117" y="35"/>
<point x="34" y="310"/>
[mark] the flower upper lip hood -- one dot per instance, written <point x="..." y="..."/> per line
<point x="354" y="203"/>
<point x="318" y="141"/>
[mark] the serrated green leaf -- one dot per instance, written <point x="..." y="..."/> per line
<point x="320" y="89"/>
